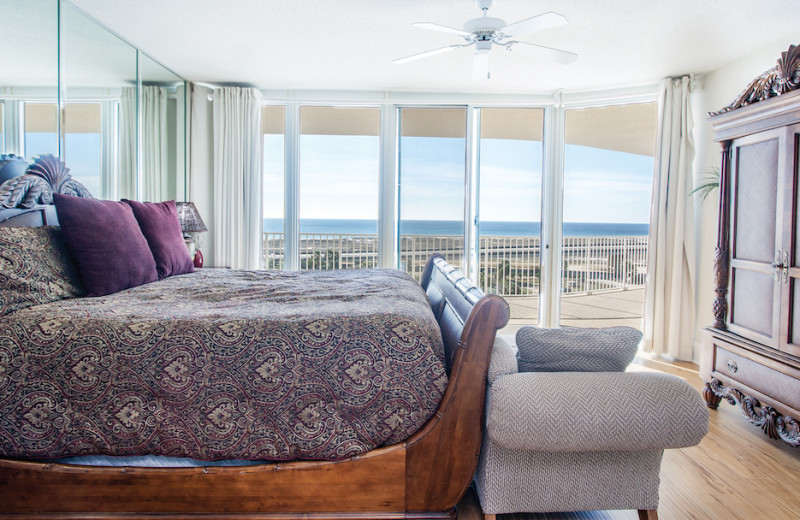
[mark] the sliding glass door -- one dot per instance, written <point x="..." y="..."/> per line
<point x="510" y="209"/>
<point x="339" y="178"/>
<point x="272" y="126"/>
<point x="432" y="176"/>
<point x="608" y="177"/>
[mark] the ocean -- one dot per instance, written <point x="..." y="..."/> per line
<point x="455" y="227"/>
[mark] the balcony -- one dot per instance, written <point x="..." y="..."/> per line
<point x="603" y="278"/>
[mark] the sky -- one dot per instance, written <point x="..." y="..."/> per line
<point x="339" y="180"/>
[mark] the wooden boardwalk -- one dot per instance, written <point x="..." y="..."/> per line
<point x="605" y="309"/>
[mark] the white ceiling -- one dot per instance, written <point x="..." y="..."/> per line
<point x="350" y="44"/>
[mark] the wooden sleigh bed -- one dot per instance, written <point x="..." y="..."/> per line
<point x="422" y="477"/>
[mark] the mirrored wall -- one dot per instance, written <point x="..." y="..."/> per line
<point x="73" y="88"/>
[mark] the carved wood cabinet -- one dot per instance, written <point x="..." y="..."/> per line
<point x="754" y="347"/>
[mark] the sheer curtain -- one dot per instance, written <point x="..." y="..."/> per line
<point x="155" y="174"/>
<point x="669" y="304"/>
<point x="127" y="144"/>
<point x="155" y="135"/>
<point x="238" y="181"/>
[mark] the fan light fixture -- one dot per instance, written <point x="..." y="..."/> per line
<point x="485" y="31"/>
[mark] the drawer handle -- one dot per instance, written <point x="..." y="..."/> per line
<point x="732" y="366"/>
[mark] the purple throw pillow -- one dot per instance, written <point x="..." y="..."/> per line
<point x="106" y="243"/>
<point x="160" y="226"/>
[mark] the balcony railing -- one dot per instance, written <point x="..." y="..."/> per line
<point x="510" y="266"/>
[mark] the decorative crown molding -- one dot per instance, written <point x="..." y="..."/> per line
<point x="782" y="78"/>
<point x="47" y="175"/>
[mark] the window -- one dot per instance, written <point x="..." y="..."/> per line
<point x="41" y="129"/>
<point x="432" y="163"/>
<point x="83" y="152"/>
<point x="454" y="163"/>
<point x="607" y="187"/>
<point x="272" y="124"/>
<point x="339" y="169"/>
<point x="510" y="209"/>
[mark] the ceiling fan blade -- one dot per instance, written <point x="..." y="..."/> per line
<point x="442" y="28"/>
<point x="537" y="23"/>
<point x="425" y="54"/>
<point x="480" y="66"/>
<point x="546" y="53"/>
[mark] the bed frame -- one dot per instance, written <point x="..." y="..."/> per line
<point x="423" y="477"/>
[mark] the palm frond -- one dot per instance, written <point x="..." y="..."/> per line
<point x="707" y="186"/>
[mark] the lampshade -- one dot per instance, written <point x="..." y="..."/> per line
<point x="190" y="219"/>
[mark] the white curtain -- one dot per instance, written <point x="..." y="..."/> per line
<point x="669" y="304"/>
<point x="237" y="177"/>
<point x="200" y="181"/>
<point x="155" y="152"/>
<point x="127" y="144"/>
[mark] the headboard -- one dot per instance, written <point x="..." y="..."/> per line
<point x="452" y="297"/>
<point x="27" y="200"/>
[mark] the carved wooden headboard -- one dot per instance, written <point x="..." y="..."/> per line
<point x="27" y="200"/>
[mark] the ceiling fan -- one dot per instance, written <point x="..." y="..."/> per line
<point x="484" y="32"/>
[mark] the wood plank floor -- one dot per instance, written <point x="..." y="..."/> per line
<point x="735" y="473"/>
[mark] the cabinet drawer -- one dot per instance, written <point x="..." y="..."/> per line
<point x="779" y="386"/>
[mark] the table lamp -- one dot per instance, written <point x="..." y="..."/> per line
<point x="191" y="222"/>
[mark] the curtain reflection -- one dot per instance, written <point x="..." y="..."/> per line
<point x="155" y="144"/>
<point x="127" y="144"/>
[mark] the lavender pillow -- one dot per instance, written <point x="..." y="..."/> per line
<point x="106" y="243"/>
<point x="160" y="226"/>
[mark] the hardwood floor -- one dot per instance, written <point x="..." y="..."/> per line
<point x="735" y="473"/>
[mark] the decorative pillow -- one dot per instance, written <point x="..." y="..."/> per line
<point x="571" y="349"/>
<point x="35" y="268"/>
<point x="160" y="226"/>
<point x="106" y="243"/>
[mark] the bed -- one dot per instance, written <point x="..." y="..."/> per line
<point x="400" y="474"/>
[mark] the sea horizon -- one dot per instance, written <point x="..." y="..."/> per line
<point x="455" y="227"/>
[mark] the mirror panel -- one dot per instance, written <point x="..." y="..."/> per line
<point x="161" y="102"/>
<point x="29" y="65"/>
<point x="2" y="128"/>
<point x="99" y="92"/>
<point x="99" y="129"/>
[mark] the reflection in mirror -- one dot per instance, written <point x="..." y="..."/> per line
<point x="2" y="129"/>
<point x="161" y="105"/>
<point x="29" y="73"/>
<point x="41" y="129"/>
<point x="99" y="137"/>
<point x="117" y="139"/>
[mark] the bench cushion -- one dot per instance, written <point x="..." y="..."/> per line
<point x="570" y="349"/>
<point x="585" y="411"/>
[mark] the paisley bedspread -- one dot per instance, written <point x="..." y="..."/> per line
<point x="223" y="364"/>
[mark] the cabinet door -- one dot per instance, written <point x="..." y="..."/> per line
<point x="790" y="279"/>
<point x="754" y="291"/>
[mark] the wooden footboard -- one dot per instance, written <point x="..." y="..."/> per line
<point x="423" y="477"/>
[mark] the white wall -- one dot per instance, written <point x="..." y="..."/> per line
<point x="714" y="91"/>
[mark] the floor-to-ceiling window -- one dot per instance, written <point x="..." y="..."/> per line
<point x="474" y="192"/>
<point x="509" y="207"/>
<point x="432" y="176"/>
<point x="339" y="171"/>
<point x="272" y="125"/>
<point x="608" y="176"/>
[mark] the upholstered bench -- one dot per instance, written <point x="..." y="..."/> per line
<point x="578" y="440"/>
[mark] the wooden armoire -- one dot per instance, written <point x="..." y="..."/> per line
<point x="755" y="340"/>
